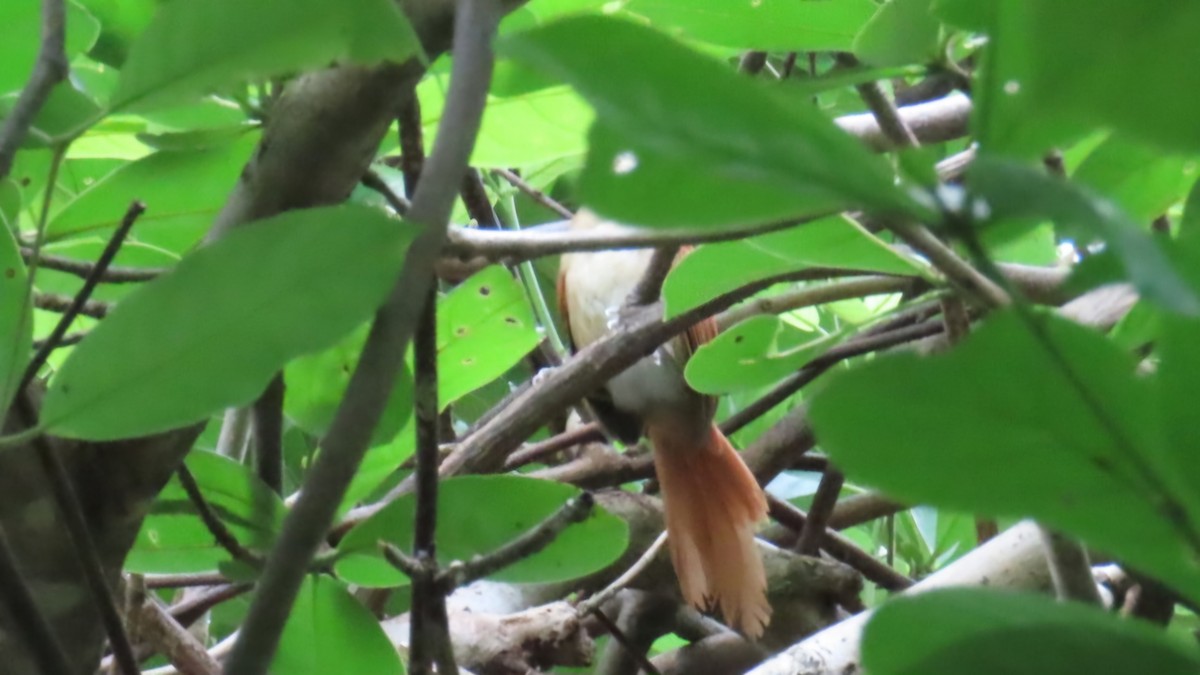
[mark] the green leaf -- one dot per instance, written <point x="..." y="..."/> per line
<point x="477" y="514"/>
<point x="669" y="190"/>
<point x="65" y="112"/>
<point x="192" y="48"/>
<point x="994" y="632"/>
<point x="1141" y="180"/>
<point x="173" y="539"/>
<point x="1035" y="96"/>
<point x="22" y="23"/>
<point x="16" y="324"/>
<point x="528" y="120"/>
<point x="1012" y="190"/>
<point x="212" y="332"/>
<point x="317" y="382"/>
<point x="121" y="22"/>
<point x="182" y="191"/>
<point x="328" y="631"/>
<point x="731" y="126"/>
<point x="770" y="25"/>
<point x="1000" y="410"/>
<point x="755" y="353"/>
<point x="485" y="326"/>
<point x="901" y="32"/>
<point x="836" y="241"/>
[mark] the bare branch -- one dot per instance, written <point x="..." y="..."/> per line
<point x="382" y="357"/>
<point x="533" y="193"/>
<point x="49" y="69"/>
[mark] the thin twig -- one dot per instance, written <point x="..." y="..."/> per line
<point x="408" y="565"/>
<point x="649" y="287"/>
<point x="475" y="198"/>
<point x="815" y="295"/>
<point x="67" y="340"/>
<point x="29" y="624"/>
<point x="49" y="69"/>
<point x="586" y="433"/>
<point x="267" y="414"/>
<point x="840" y="547"/>
<point x="598" y="599"/>
<point x="373" y="181"/>
<point x="533" y="193"/>
<point x="429" y="634"/>
<point x="619" y="635"/>
<point x="412" y="143"/>
<point x="225" y="538"/>
<point x="136" y="209"/>
<point x="56" y="302"/>
<point x="529" y="543"/>
<point x="382" y="357"/>
<point x="820" y="511"/>
<point x="83" y="269"/>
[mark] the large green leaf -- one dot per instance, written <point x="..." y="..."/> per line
<point x="1141" y="180"/>
<point x="213" y="331"/>
<point x="477" y="514"/>
<point x="22" y="23"/>
<point x="328" y="631"/>
<point x="192" y="48"/>
<point x="1035" y="96"/>
<point x="774" y="25"/>
<point x="173" y="539"/>
<point x="16" y="325"/>
<point x="755" y="353"/>
<point x="994" y="632"/>
<point x="1012" y="190"/>
<point x="485" y="326"/>
<point x="121" y="22"/>
<point x="183" y="190"/>
<point x="829" y="242"/>
<point x="727" y="125"/>
<point x="1005" y="426"/>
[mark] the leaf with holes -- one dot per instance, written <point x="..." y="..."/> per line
<point x="476" y="515"/>
<point x="485" y="326"/>
<point x="213" y="331"/>
<point x="173" y="539"/>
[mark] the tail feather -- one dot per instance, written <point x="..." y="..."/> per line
<point x="712" y="504"/>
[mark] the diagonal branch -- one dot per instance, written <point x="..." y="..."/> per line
<point x="49" y="69"/>
<point x="382" y="356"/>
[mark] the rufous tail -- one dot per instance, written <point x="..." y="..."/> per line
<point x="712" y="504"/>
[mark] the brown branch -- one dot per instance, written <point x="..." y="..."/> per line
<point x="49" y="69"/>
<point x="533" y="193"/>
<point x="54" y="302"/>
<point x="649" y="287"/>
<point x="82" y="269"/>
<point x="533" y="452"/>
<point x="225" y="538"/>
<point x="135" y="210"/>
<point x="267" y="422"/>
<point x="840" y="547"/>
<point x="820" y="511"/>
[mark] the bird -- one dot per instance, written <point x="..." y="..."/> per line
<point x="712" y="502"/>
